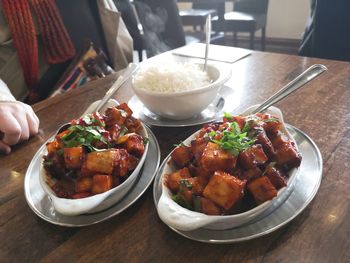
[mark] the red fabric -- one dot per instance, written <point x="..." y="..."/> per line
<point x="21" y="24"/>
<point x="57" y="43"/>
<point x="58" y="46"/>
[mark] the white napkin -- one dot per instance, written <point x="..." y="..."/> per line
<point x="217" y="53"/>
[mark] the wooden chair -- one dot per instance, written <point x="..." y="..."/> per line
<point x="198" y="15"/>
<point x="247" y="16"/>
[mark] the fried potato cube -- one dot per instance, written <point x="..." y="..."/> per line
<point x="271" y="123"/>
<point x="52" y="147"/>
<point x="83" y="184"/>
<point x="173" y="180"/>
<point x="238" y="119"/>
<point x="101" y="162"/>
<point x="224" y="189"/>
<point x="133" y="124"/>
<point x="276" y="177"/>
<point x="262" y="189"/>
<point x="287" y="156"/>
<point x="250" y="174"/>
<point x="73" y="157"/>
<point x="80" y="195"/>
<point x="135" y="145"/>
<point x="125" y="107"/>
<point x="101" y="183"/>
<point x="122" y="163"/>
<point x="209" y="207"/>
<point x="197" y="147"/>
<point x="115" y="116"/>
<point x="263" y="139"/>
<point x="61" y="134"/>
<point x="198" y="184"/>
<point x="252" y="157"/>
<point x="132" y="162"/>
<point x="114" y="132"/>
<point x="181" y="156"/>
<point x="207" y="128"/>
<point x="84" y="171"/>
<point x="198" y="171"/>
<point x="214" y="158"/>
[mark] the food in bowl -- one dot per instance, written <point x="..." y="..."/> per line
<point x="97" y="154"/>
<point x="228" y="173"/>
<point x="171" y="77"/>
<point x="178" y="90"/>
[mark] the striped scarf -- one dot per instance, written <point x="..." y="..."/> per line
<point x="58" y="46"/>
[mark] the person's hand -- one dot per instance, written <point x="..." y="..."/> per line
<point x="17" y="123"/>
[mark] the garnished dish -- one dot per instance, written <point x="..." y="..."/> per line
<point x="227" y="169"/>
<point x="98" y="153"/>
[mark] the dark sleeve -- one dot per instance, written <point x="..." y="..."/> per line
<point x="81" y="19"/>
<point x="328" y="33"/>
<point x="162" y="25"/>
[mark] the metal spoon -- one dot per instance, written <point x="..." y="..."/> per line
<point x="207" y="40"/>
<point x="132" y="67"/>
<point x="308" y="75"/>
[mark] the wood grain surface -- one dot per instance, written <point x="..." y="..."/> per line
<point x="319" y="234"/>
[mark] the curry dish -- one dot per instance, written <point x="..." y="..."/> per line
<point x="232" y="166"/>
<point x="95" y="154"/>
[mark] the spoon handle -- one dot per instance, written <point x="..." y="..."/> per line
<point x="207" y="40"/>
<point x="308" y="75"/>
<point x="120" y="81"/>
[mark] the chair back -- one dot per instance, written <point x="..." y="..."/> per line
<point x="251" y="6"/>
<point x="218" y="5"/>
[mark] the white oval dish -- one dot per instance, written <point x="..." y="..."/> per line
<point x="96" y="202"/>
<point x="185" y="104"/>
<point x="183" y="219"/>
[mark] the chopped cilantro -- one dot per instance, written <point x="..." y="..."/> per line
<point x="197" y="203"/>
<point x="233" y="139"/>
<point x="181" y="201"/>
<point x="271" y="120"/>
<point x="228" y="116"/>
<point x="180" y="144"/>
<point x="84" y="136"/>
<point x="60" y="152"/>
<point x="184" y="183"/>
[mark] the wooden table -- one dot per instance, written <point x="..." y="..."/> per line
<point x="319" y="234"/>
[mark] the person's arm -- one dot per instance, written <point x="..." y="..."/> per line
<point x="17" y="120"/>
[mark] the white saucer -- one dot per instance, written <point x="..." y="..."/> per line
<point x="212" y="112"/>
<point x="306" y="186"/>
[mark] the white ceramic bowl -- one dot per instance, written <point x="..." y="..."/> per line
<point x="97" y="202"/>
<point x="185" y="104"/>
<point x="183" y="219"/>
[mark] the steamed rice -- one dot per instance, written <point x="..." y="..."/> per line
<point x="170" y="76"/>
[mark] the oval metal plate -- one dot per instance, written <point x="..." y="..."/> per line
<point x="306" y="186"/>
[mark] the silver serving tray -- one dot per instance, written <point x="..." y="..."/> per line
<point x="39" y="202"/>
<point x="225" y="101"/>
<point x="307" y="183"/>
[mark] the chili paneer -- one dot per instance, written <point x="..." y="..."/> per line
<point x="242" y="158"/>
<point x="95" y="154"/>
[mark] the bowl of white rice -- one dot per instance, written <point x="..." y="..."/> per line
<point x="176" y="90"/>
